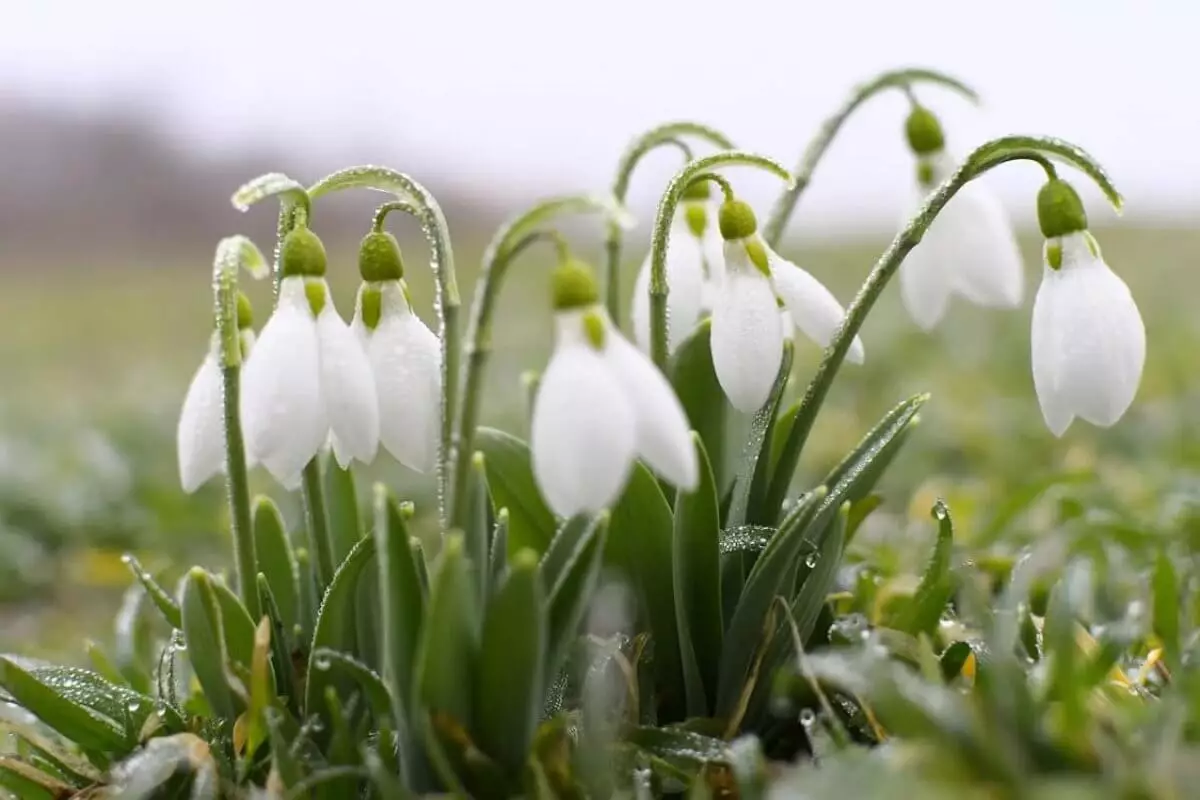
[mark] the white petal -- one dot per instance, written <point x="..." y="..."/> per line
<point x="283" y="416"/>
<point x="685" y="290"/>
<point x="747" y="334"/>
<point x="582" y="433"/>
<point x="975" y="238"/>
<point x="406" y="361"/>
<point x="1088" y="341"/>
<point x="201" y="433"/>
<point x="348" y="388"/>
<point x="663" y="438"/>
<point x="639" y="309"/>
<point x="813" y="308"/>
<point x="925" y="284"/>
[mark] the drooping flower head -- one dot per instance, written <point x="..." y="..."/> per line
<point x="1088" y="341"/>
<point x="600" y="405"/>
<point x="694" y="264"/>
<point x="309" y="377"/>
<point x="404" y="355"/>
<point x="747" y="329"/>
<point x="200" y="435"/>
<point x="969" y="250"/>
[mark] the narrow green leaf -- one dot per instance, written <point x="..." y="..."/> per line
<point x="696" y="569"/>
<point x="104" y="665"/>
<point x="893" y="428"/>
<point x="750" y="487"/>
<point x="276" y="560"/>
<point x="695" y="383"/>
<point x="783" y="428"/>
<point x="133" y="640"/>
<point x="922" y="613"/>
<point x="335" y="629"/>
<point x="564" y="548"/>
<point x="206" y="644"/>
<point x="449" y="644"/>
<point x="285" y="763"/>
<point x="639" y="544"/>
<point x="498" y="557"/>
<point x="28" y="783"/>
<point x="378" y="698"/>
<point x="368" y="634"/>
<point x="1166" y="589"/>
<point x="953" y="659"/>
<point x="477" y="526"/>
<point x="571" y="591"/>
<point x="509" y="681"/>
<point x="816" y="580"/>
<point x="510" y="479"/>
<point x="236" y="626"/>
<point x="286" y="680"/>
<point x="308" y="599"/>
<point x="62" y="711"/>
<point x="164" y="602"/>
<point x="341" y="499"/>
<point x="387" y="786"/>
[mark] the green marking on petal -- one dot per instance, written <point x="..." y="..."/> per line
<point x="245" y="312"/>
<point x="697" y="218"/>
<point x="757" y="252"/>
<point x="372" y="306"/>
<point x="924" y="172"/>
<point x="593" y="328"/>
<point x="315" y="292"/>
<point x="1054" y="254"/>
<point x="1092" y="244"/>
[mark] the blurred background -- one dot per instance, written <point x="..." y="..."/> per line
<point x="125" y="126"/>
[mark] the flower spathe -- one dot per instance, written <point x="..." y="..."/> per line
<point x="747" y="328"/>
<point x="1088" y="341"/>
<point x="969" y="250"/>
<point x="309" y="378"/>
<point x="405" y="361"/>
<point x="601" y="404"/>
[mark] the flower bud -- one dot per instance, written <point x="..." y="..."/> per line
<point x="379" y="258"/>
<point x="924" y="132"/>
<point x="245" y="312"/>
<point x="574" y="286"/>
<point x="736" y="220"/>
<point x="302" y="253"/>
<point x="1060" y="211"/>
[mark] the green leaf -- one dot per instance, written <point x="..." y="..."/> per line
<point x="696" y="570"/>
<point x="477" y="526"/>
<point x="565" y="546"/>
<point x="695" y="383"/>
<point x="369" y="681"/>
<point x="571" y="591"/>
<point x="509" y="682"/>
<point x="308" y="600"/>
<point x="783" y="429"/>
<point x="450" y="637"/>
<point x="236" y="626"/>
<point x="750" y="487"/>
<point x="28" y="783"/>
<point x="276" y="560"/>
<point x="133" y="640"/>
<point x="639" y="544"/>
<point x="678" y="746"/>
<point x="202" y="630"/>
<point x="510" y="480"/>
<point x="816" y="580"/>
<point x="336" y="621"/>
<point x="164" y="602"/>
<point x="104" y="665"/>
<point x="881" y="443"/>
<point x="285" y="762"/>
<point x="286" y="680"/>
<point x="64" y="709"/>
<point x="953" y="659"/>
<point x="498" y="557"/>
<point x="387" y="786"/>
<point x="921" y="614"/>
<point x="1166" y="593"/>
<point x="341" y="499"/>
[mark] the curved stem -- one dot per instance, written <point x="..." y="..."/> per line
<point x="415" y="199"/>
<point x="668" y="133"/>
<point x="984" y="158"/>
<point x="662" y="233"/>
<point x="510" y="240"/>
<point x="712" y="177"/>
<point x="903" y="79"/>
<point x="381" y="213"/>
<point x="232" y="253"/>
<point x="295" y="205"/>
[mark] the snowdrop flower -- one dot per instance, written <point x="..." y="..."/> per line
<point x="1088" y="341"/>
<point x="747" y="328"/>
<point x="200" y="435"/>
<point x="693" y="263"/>
<point x="600" y="405"/>
<point x="309" y="376"/>
<point x="404" y="355"/>
<point x="969" y="250"/>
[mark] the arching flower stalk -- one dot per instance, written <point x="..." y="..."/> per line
<point x="600" y="405"/>
<point x="970" y="250"/>
<point x="1088" y="341"/>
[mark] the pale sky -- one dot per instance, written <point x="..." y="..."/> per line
<point x="528" y="97"/>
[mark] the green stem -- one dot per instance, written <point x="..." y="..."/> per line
<point x="662" y="234"/>
<point x="983" y="159"/>
<point x="668" y="134"/>
<point x="415" y="199"/>
<point x="512" y="238"/>
<point x="316" y="519"/>
<point x="903" y="79"/>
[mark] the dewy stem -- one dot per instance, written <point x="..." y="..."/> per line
<point x="662" y="233"/>
<point x="669" y="134"/>
<point x="233" y="253"/>
<point x="984" y="158"/>
<point x="415" y="199"/>
<point x="903" y="79"/>
<point x="510" y="240"/>
<point x="316" y="519"/>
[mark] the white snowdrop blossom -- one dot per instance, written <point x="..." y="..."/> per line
<point x="404" y="355"/>
<point x="309" y="379"/>
<point x="969" y="250"/>
<point x="1088" y="341"/>
<point x="747" y="328"/>
<point x="200" y="434"/>
<point x="601" y="404"/>
<point x="694" y="263"/>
